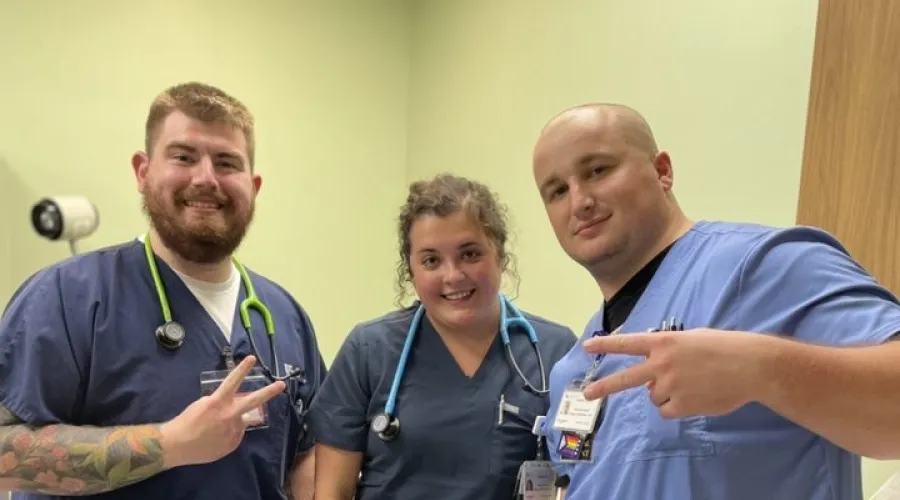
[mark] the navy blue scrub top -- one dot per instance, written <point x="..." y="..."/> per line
<point x="451" y="445"/>
<point x="77" y="346"/>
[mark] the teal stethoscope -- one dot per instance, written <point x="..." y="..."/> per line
<point x="387" y="426"/>
<point x="171" y="334"/>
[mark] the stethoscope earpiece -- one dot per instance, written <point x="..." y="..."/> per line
<point x="170" y="335"/>
<point x="386" y="427"/>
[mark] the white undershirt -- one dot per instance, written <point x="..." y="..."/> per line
<point x="219" y="299"/>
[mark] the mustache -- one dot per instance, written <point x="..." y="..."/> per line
<point x="201" y="195"/>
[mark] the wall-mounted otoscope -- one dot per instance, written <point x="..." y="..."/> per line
<point x="67" y="218"/>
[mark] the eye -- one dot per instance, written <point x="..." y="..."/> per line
<point x="228" y="165"/>
<point x="471" y="255"/>
<point x="430" y="262"/>
<point x="557" y="192"/>
<point x="599" y="170"/>
<point x="185" y="159"/>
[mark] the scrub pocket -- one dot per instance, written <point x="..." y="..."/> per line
<point x="663" y="437"/>
<point x="512" y="441"/>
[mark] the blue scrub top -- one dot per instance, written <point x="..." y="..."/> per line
<point x="797" y="282"/>
<point x="77" y="346"/>
<point x="450" y="445"/>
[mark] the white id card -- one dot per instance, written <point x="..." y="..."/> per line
<point x="575" y="413"/>
<point x="255" y="418"/>
<point x="536" y="481"/>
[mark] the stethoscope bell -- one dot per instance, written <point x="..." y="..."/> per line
<point x="386" y="427"/>
<point x="170" y="335"/>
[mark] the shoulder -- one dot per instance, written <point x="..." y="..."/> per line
<point x="389" y="329"/>
<point x="276" y="296"/>
<point x="79" y="277"/>
<point x="549" y="330"/>
<point x="742" y="249"/>
<point x="746" y="240"/>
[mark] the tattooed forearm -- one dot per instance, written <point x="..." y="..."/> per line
<point x="69" y="460"/>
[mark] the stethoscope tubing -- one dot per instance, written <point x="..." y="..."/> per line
<point x="518" y="319"/>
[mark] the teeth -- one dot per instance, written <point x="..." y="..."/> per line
<point x="458" y="295"/>
<point x="202" y="204"/>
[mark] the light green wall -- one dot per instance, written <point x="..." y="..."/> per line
<point x="354" y="98"/>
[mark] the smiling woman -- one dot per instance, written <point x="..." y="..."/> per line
<point x="446" y="346"/>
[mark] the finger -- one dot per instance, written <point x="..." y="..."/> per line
<point x="669" y="409"/>
<point x="259" y="397"/>
<point x="638" y="344"/>
<point x="633" y="376"/>
<point x="658" y="398"/>
<point x="232" y="382"/>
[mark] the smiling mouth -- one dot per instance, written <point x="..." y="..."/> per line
<point x="204" y="205"/>
<point x="591" y="224"/>
<point x="458" y="296"/>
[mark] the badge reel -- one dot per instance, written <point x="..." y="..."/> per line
<point x="537" y="478"/>
<point x="256" y="418"/>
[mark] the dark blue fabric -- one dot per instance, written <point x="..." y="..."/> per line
<point x="451" y="446"/>
<point x="77" y="346"/>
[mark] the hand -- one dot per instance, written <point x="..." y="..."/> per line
<point x="213" y="426"/>
<point x="695" y="372"/>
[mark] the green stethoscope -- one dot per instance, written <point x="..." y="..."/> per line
<point x="171" y="334"/>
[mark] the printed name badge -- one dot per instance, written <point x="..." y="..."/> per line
<point x="536" y="481"/>
<point x="255" y="418"/>
<point x="575" y="413"/>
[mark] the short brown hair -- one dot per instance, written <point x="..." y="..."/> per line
<point x="445" y="195"/>
<point x="201" y="102"/>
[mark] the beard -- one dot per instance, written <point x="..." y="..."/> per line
<point x="205" y="241"/>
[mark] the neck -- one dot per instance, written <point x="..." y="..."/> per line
<point x="216" y="272"/>
<point x="611" y="283"/>
<point x="484" y="332"/>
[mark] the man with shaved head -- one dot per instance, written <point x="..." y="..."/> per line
<point x="727" y="360"/>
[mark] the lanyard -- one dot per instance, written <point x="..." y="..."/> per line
<point x="591" y="374"/>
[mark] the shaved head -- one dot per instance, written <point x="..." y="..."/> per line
<point x="625" y="120"/>
<point x="607" y="189"/>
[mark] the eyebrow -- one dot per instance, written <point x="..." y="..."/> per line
<point x="592" y="157"/>
<point x="464" y="246"/>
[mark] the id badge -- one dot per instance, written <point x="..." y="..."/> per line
<point x="256" y="418"/>
<point x="575" y="413"/>
<point x="536" y="481"/>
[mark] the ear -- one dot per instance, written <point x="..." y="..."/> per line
<point x="664" y="171"/>
<point x="257" y="183"/>
<point x="140" y="163"/>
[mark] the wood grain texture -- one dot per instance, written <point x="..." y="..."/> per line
<point x="850" y="180"/>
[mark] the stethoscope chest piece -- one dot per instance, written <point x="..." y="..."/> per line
<point x="170" y="335"/>
<point x="386" y="427"/>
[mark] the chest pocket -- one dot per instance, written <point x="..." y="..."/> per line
<point x="658" y="437"/>
<point x="512" y="441"/>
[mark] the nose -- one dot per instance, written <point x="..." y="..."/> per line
<point x="453" y="273"/>
<point x="205" y="173"/>
<point x="582" y="201"/>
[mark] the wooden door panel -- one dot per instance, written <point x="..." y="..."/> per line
<point x="849" y="182"/>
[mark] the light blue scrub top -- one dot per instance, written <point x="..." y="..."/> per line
<point x="797" y="282"/>
<point x="77" y="346"/>
<point x="450" y="446"/>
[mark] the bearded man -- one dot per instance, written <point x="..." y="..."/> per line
<point x="131" y="372"/>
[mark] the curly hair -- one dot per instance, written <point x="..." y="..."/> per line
<point x="445" y="195"/>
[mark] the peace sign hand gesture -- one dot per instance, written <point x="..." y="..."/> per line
<point x="689" y="373"/>
<point x="213" y="426"/>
